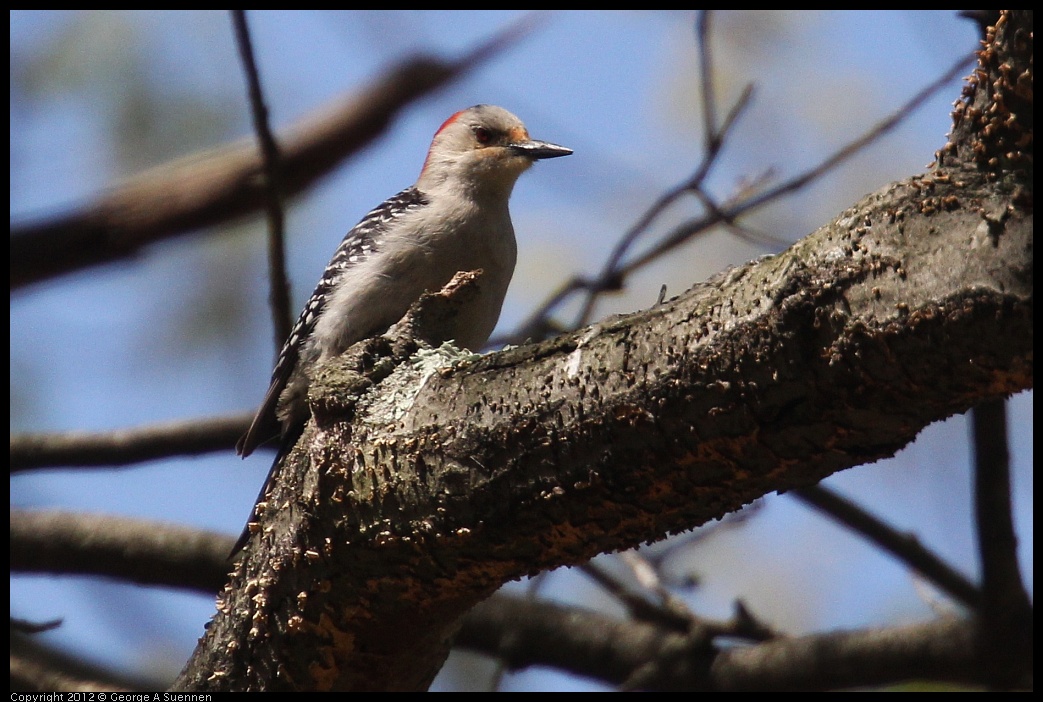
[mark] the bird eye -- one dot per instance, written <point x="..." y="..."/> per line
<point x="482" y="135"/>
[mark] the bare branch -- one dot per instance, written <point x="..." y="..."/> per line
<point x="667" y="612"/>
<point x="615" y="271"/>
<point x="38" y="667"/>
<point x="118" y="547"/>
<point x="846" y="152"/>
<point x="279" y="287"/>
<point x="729" y="212"/>
<point x="526" y="633"/>
<point x="126" y="446"/>
<point x="905" y="547"/>
<point x="29" y="673"/>
<point x="709" y="103"/>
<point x="1006" y="611"/>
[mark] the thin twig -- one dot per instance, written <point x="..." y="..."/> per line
<point x="279" y="291"/>
<point x="904" y="547"/>
<point x="731" y="212"/>
<point x="614" y="273"/>
<point x="612" y="276"/>
<point x="846" y="152"/>
<point x="702" y="35"/>
<point x="670" y="613"/>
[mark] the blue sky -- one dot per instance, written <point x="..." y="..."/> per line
<point x="183" y="331"/>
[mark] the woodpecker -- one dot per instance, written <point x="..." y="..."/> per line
<point x="454" y="218"/>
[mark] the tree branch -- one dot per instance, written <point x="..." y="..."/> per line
<point x="126" y="446"/>
<point x="905" y="547"/>
<point x="616" y="269"/>
<point x="118" y="547"/>
<point x="279" y="287"/>
<point x="771" y="376"/>
<point x="526" y="633"/>
<point x="1006" y="612"/>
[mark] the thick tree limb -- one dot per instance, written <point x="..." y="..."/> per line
<point x="398" y="515"/>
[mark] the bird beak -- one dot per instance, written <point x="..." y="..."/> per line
<point x="539" y="149"/>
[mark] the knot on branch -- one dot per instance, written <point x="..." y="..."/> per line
<point x="339" y="384"/>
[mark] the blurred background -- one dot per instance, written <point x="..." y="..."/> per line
<point x="183" y="330"/>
